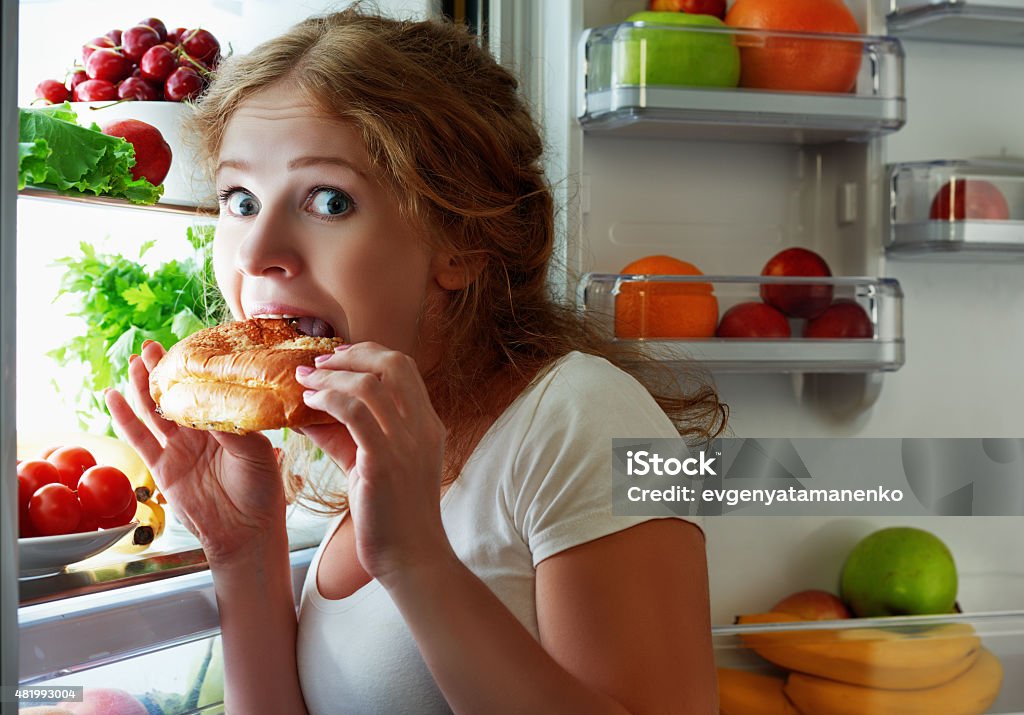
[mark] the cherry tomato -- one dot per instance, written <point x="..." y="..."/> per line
<point x="122" y="518"/>
<point x="45" y="454"/>
<point x="33" y="474"/>
<point x="105" y="491"/>
<point x="54" y="509"/>
<point x="71" y="462"/>
<point x="87" y="523"/>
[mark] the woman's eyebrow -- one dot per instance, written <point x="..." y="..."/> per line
<point x="304" y="161"/>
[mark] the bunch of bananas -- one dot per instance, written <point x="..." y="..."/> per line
<point x="925" y="669"/>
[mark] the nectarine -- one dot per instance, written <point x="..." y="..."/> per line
<point x="797" y="301"/>
<point x="753" y="320"/>
<point x="961" y="199"/>
<point x="813" y="605"/>
<point x="842" y="319"/>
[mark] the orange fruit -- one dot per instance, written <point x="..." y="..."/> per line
<point x="662" y="309"/>
<point x="792" y="64"/>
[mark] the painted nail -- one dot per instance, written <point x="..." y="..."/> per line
<point x="132" y="358"/>
<point x="146" y="342"/>
<point x="322" y="358"/>
<point x="303" y="370"/>
<point x="344" y="346"/>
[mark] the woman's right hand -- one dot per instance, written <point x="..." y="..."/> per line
<point x="225" y="488"/>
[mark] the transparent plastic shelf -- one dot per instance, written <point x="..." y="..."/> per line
<point x="960" y="22"/>
<point x="958" y="210"/>
<point x="669" y="297"/>
<point x="628" y="89"/>
<point x="851" y="661"/>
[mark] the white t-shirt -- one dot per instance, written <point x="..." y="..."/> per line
<point x="539" y="482"/>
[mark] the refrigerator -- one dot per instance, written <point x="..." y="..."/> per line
<point x="721" y="178"/>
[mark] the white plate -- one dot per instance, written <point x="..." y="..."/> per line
<point x="46" y="555"/>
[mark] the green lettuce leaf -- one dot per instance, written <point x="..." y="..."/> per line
<point x="55" y="153"/>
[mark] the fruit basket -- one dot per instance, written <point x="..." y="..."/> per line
<point x="958" y="209"/>
<point x="991" y="22"/>
<point x="958" y="663"/>
<point x="717" y="83"/>
<point x="681" y="319"/>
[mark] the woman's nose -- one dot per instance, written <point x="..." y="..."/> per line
<point x="267" y="250"/>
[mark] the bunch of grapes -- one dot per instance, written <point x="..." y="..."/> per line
<point x="145" y="62"/>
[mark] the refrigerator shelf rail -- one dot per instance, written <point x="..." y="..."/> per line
<point x="959" y="22"/>
<point x="625" y="90"/>
<point x="880" y="298"/>
<point x="31" y="192"/>
<point x="956" y="210"/>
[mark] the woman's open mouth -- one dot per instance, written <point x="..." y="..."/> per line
<point x="306" y="324"/>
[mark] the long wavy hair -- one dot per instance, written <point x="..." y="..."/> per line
<point x="449" y="133"/>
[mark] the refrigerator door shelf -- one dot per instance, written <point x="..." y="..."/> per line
<point x="879" y="654"/>
<point x="961" y="22"/>
<point x="653" y="299"/>
<point x="626" y="90"/>
<point x="959" y="210"/>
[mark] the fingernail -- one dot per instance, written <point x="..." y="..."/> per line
<point x="132" y="358"/>
<point x="303" y="370"/>
<point x="308" y="393"/>
<point x="322" y="358"/>
<point x="344" y="346"/>
<point x="108" y="391"/>
<point x="145" y="343"/>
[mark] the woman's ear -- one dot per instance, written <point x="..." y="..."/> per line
<point x="453" y="273"/>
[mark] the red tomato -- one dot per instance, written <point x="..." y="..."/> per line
<point x="45" y="454"/>
<point x="71" y="462"/>
<point x="87" y="523"/>
<point x="120" y="519"/>
<point x="105" y="491"/>
<point x="33" y="474"/>
<point x="54" y="509"/>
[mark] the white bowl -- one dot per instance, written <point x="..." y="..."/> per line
<point x="46" y="555"/>
<point x="186" y="183"/>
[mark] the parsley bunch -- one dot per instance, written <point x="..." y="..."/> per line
<point x="123" y="304"/>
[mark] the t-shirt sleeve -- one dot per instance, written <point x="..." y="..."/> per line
<point x="561" y="491"/>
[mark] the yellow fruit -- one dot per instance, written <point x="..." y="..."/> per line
<point x="106" y="450"/>
<point x="874" y="657"/>
<point x="970" y="694"/>
<point x="152" y="521"/>
<point x="741" y="692"/>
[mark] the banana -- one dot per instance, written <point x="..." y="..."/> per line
<point x="872" y="657"/>
<point x="741" y="692"/>
<point x="970" y="694"/>
<point x="106" y="450"/>
<point x="152" y="521"/>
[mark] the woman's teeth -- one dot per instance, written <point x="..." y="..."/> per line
<point x="305" y="324"/>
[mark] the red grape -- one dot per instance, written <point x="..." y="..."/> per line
<point x="52" y="91"/>
<point x="136" y="40"/>
<point x="109" y="64"/>
<point x="156" y="24"/>
<point x="183" y="83"/>
<point x="201" y="44"/>
<point x="157" y="63"/>
<point x="138" y="89"/>
<point x="94" y="90"/>
<point x="176" y="34"/>
<point x="95" y="44"/>
<point x="76" y="77"/>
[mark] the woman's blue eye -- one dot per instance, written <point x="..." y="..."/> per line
<point x="241" y="203"/>
<point x="330" y="202"/>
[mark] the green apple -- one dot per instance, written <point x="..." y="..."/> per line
<point x="899" y="571"/>
<point x="662" y="56"/>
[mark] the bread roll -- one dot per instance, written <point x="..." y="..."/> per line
<point x="238" y="377"/>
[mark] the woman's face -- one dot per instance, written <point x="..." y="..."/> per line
<point x="306" y="229"/>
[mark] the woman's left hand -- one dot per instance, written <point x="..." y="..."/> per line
<point x="390" y="443"/>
